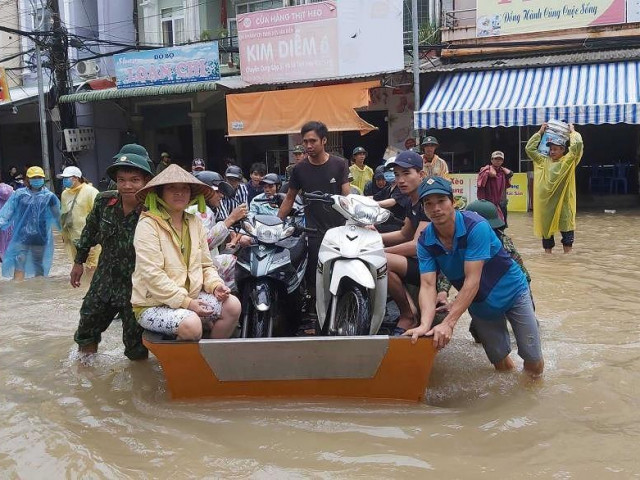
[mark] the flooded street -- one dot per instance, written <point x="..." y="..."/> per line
<point x="59" y="419"/>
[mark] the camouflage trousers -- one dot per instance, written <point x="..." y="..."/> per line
<point x="95" y="317"/>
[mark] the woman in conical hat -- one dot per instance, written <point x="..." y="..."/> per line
<point x="176" y="288"/>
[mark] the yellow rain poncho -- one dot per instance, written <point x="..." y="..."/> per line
<point x="554" y="187"/>
<point x="74" y="216"/>
<point x="361" y="176"/>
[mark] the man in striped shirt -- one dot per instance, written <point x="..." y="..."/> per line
<point x="233" y="175"/>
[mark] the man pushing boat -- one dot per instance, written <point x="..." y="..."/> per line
<point x="491" y="285"/>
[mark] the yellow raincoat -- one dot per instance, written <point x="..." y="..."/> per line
<point x="361" y="176"/>
<point x="72" y="229"/>
<point x="554" y="187"/>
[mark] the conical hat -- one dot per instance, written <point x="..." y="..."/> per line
<point x="175" y="174"/>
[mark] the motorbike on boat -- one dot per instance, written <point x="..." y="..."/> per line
<point x="270" y="274"/>
<point x="351" y="277"/>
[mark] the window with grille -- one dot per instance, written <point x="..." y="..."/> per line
<point x="172" y="26"/>
<point x="248" y="7"/>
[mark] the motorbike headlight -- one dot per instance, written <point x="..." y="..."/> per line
<point x="273" y="233"/>
<point x="267" y="234"/>
<point x="363" y="213"/>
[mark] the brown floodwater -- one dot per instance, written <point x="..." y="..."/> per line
<point x="112" y="419"/>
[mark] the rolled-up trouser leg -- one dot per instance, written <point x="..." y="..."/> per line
<point x="95" y="318"/>
<point x="132" y="335"/>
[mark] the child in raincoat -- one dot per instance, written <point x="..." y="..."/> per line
<point x="554" y="188"/>
<point x="76" y="203"/>
<point x="32" y="212"/>
<point x="5" y="235"/>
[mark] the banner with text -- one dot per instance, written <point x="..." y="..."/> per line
<point x="321" y="40"/>
<point x="465" y="191"/>
<point x="168" y="66"/>
<point x="508" y="17"/>
<point x="518" y="193"/>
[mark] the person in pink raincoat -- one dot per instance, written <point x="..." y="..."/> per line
<point x="5" y="235"/>
<point x="493" y="181"/>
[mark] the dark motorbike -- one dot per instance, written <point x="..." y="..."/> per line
<point x="269" y="276"/>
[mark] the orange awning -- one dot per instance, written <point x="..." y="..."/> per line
<point x="282" y="112"/>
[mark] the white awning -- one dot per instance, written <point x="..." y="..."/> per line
<point x="583" y="94"/>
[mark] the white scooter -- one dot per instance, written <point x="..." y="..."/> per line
<point x="351" y="279"/>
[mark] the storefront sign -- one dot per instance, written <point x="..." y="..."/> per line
<point x="508" y="17"/>
<point x="5" y="95"/>
<point x="465" y="191"/>
<point x="168" y="66"/>
<point x="321" y="40"/>
<point x="518" y="193"/>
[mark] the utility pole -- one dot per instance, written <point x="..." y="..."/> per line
<point x="44" y="137"/>
<point x="416" y="60"/>
<point x="60" y="65"/>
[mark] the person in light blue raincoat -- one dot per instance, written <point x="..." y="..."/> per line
<point x="32" y="212"/>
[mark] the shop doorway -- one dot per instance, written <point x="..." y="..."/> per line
<point x="374" y="142"/>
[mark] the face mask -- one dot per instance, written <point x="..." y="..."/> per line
<point x="37" y="182"/>
<point x="389" y="177"/>
<point x="67" y="182"/>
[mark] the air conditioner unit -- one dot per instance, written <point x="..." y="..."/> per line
<point x="79" y="139"/>
<point x="87" y="68"/>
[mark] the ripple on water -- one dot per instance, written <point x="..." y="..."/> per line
<point x="111" y="418"/>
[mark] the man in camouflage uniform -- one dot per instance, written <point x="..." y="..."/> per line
<point x="112" y="224"/>
<point x="131" y="148"/>
<point x="298" y="156"/>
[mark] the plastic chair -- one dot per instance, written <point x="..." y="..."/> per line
<point x="599" y="181"/>
<point x="619" y="179"/>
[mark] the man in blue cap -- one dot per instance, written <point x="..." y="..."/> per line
<point x="491" y="285"/>
<point x="400" y="246"/>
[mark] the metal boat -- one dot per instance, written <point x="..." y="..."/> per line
<point x="374" y="367"/>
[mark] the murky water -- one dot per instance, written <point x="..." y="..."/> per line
<point x="113" y="420"/>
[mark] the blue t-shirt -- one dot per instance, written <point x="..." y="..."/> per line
<point x="502" y="280"/>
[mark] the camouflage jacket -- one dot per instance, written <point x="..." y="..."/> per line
<point x="510" y="248"/>
<point x="106" y="225"/>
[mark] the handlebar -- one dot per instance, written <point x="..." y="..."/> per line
<point x="278" y="198"/>
<point x="318" y="197"/>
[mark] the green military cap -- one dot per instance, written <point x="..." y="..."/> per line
<point x="430" y="141"/>
<point x="129" y="160"/>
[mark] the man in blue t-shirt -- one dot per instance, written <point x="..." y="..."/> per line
<point x="491" y="285"/>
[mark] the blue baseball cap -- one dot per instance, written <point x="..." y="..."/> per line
<point x="407" y="159"/>
<point x="434" y="185"/>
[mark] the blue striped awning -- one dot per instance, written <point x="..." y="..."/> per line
<point x="582" y="94"/>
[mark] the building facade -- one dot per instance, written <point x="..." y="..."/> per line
<point x="512" y="65"/>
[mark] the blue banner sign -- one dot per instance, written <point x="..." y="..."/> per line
<point x="168" y="66"/>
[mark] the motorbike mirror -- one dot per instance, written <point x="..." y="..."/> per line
<point x="383" y="216"/>
<point x="226" y="189"/>
<point x="288" y="232"/>
<point x="249" y="228"/>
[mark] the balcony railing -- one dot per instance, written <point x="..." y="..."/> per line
<point x="465" y="17"/>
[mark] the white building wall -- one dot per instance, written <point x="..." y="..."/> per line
<point x="10" y="42"/>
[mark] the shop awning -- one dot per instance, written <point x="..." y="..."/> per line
<point x="583" y="94"/>
<point x="114" y="93"/>
<point x="281" y="112"/>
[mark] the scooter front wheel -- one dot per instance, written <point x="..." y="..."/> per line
<point x="352" y="311"/>
<point x="259" y="324"/>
